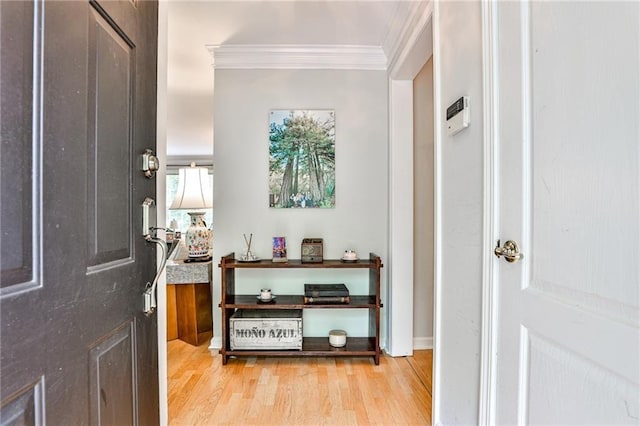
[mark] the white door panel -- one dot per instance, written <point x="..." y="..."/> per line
<point x="565" y="388"/>
<point x="568" y="84"/>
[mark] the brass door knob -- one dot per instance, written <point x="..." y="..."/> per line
<point x="510" y="251"/>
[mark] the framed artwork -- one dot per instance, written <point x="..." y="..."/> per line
<point x="279" y="250"/>
<point x="302" y="159"/>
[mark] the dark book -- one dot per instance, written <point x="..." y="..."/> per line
<point x="316" y="290"/>
<point x="327" y="300"/>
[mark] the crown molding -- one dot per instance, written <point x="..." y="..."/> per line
<point x="406" y="28"/>
<point x="287" y="56"/>
<point x="397" y="28"/>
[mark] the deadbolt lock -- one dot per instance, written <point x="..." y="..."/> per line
<point x="150" y="163"/>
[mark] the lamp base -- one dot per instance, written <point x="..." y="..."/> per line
<point x="197" y="259"/>
<point x="197" y="237"/>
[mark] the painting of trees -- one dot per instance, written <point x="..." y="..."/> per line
<point x="302" y="159"/>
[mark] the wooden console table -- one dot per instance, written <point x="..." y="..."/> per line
<point x="368" y="345"/>
<point x="189" y="310"/>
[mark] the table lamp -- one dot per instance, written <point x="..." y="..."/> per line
<point x="194" y="193"/>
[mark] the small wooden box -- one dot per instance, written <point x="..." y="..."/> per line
<point x="266" y="329"/>
<point x="311" y="250"/>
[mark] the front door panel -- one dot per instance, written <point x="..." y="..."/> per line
<point x="111" y="82"/>
<point x="78" y="108"/>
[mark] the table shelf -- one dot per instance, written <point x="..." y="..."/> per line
<point x="287" y="301"/>
<point x="318" y="346"/>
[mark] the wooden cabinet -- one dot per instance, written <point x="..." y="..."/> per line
<point x="311" y="346"/>
<point x="172" y="313"/>
<point x="189" y="316"/>
<point x="189" y="305"/>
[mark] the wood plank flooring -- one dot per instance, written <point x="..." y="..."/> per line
<point x="296" y="391"/>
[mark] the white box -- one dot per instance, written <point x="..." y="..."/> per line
<point x="266" y="329"/>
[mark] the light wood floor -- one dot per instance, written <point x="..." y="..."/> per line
<point x="296" y="391"/>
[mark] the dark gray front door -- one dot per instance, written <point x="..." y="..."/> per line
<point x="78" y="85"/>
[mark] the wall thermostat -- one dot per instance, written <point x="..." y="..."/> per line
<point x="458" y="115"/>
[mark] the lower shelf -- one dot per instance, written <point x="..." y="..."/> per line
<point x="317" y="346"/>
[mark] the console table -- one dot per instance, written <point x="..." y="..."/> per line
<point x="189" y="310"/>
<point x="368" y="345"/>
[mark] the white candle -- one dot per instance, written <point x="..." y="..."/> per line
<point x="265" y="294"/>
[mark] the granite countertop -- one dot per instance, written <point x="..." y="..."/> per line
<point x="179" y="272"/>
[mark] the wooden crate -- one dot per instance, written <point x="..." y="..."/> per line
<point x="266" y="329"/>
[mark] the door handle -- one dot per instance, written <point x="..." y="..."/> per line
<point x="510" y="251"/>
<point x="147" y="228"/>
<point x="149" y="233"/>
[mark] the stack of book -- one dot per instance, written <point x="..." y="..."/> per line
<point x="326" y="293"/>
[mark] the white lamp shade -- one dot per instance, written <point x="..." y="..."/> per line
<point x="194" y="191"/>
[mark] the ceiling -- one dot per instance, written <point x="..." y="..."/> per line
<point x="194" y="25"/>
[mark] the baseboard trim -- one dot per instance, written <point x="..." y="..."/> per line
<point x="216" y="343"/>
<point x="419" y="343"/>
<point x="422" y="343"/>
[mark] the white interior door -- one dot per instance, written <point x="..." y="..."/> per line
<point x="568" y="85"/>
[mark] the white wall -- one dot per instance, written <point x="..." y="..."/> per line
<point x="189" y="83"/>
<point x="423" y="207"/>
<point x="242" y="100"/>
<point x="459" y="218"/>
